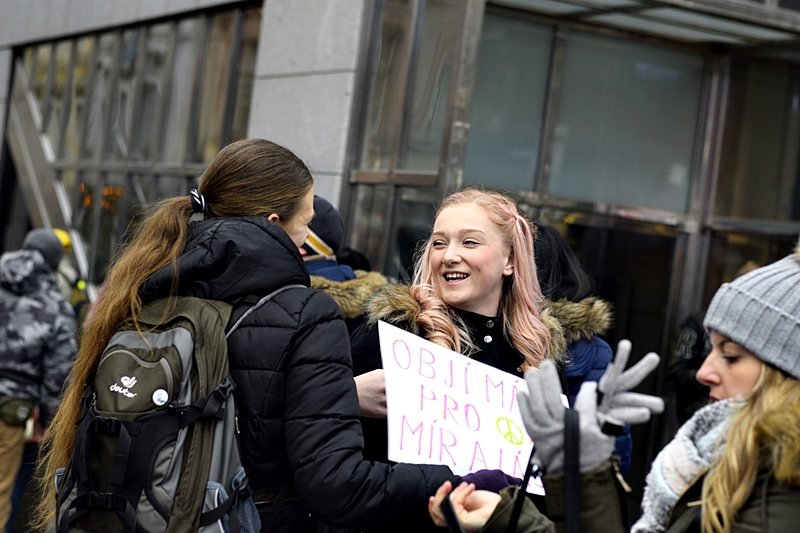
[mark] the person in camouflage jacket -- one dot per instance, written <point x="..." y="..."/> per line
<point x="37" y="346"/>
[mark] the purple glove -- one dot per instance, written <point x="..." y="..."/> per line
<point x="491" y="480"/>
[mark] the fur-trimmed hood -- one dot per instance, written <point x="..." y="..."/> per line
<point x="395" y="305"/>
<point x="351" y="294"/>
<point x="581" y="320"/>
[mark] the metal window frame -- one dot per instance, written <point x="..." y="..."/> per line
<point x="95" y="169"/>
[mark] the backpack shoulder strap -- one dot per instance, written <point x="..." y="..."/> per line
<point x="572" y="475"/>
<point x="259" y="303"/>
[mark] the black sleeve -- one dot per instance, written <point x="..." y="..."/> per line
<point x="365" y="348"/>
<point x="324" y="439"/>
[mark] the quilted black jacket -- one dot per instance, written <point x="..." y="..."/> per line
<point x="297" y="402"/>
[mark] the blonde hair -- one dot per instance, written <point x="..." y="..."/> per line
<point x="252" y="177"/>
<point x="521" y="299"/>
<point x="765" y="432"/>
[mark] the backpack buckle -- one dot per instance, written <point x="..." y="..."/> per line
<point x="107" y="500"/>
<point x="106" y="425"/>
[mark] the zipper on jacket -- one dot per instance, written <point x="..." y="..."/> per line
<point x="618" y="474"/>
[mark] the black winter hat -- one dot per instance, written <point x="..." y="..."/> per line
<point x="326" y="229"/>
<point x="46" y="243"/>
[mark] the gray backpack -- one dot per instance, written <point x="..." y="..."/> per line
<point x="156" y="447"/>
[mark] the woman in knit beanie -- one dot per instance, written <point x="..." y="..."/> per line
<point x="739" y="457"/>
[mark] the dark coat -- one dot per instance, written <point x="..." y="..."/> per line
<point x="37" y="332"/>
<point x="297" y="402"/>
<point x="599" y="507"/>
<point x="770" y="507"/>
<point x="588" y="355"/>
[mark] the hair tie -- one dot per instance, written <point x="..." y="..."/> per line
<point x="199" y="206"/>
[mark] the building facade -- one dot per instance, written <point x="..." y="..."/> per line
<point x="660" y="137"/>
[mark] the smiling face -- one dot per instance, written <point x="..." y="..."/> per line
<point x="729" y="370"/>
<point x="469" y="259"/>
<point x="297" y="225"/>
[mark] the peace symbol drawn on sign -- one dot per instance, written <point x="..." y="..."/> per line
<point x="509" y="430"/>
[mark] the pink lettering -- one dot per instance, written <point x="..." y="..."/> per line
<point x="444" y="447"/>
<point x="405" y="424"/>
<point x="512" y="405"/>
<point x="426" y="368"/>
<point x="425" y="393"/>
<point x="450" y="405"/>
<point x="477" y="455"/>
<point x="406" y="353"/>
<point x="492" y="385"/>
<point x="519" y="469"/>
<point x="472" y="417"/>
<point x="452" y="380"/>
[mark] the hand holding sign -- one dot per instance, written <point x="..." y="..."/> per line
<point x="445" y="408"/>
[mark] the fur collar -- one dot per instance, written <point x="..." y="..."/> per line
<point x="351" y="295"/>
<point x="583" y="319"/>
<point x="395" y="305"/>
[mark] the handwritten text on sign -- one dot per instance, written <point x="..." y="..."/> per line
<point x="445" y="408"/>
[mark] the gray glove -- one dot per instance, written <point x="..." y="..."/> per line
<point x="543" y="415"/>
<point x="618" y="406"/>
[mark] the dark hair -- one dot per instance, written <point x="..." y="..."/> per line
<point x="561" y="275"/>
<point x="354" y="259"/>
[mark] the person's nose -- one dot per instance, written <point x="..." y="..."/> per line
<point x="451" y="255"/>
<point x="706" y="374"/>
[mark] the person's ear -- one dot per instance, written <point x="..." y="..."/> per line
<point x="508" y="269"/>
<point x="274" y="218"/>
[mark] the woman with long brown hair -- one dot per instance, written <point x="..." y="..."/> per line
<point x="296" y="399"/>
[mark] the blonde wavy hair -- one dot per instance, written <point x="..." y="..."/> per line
<point x="521" y="300"/>
<point x="765" y="432"/>
<point x="252" y="177"/>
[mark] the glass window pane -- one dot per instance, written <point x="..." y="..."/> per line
<point x="507" y="103"/>
<point x="733" y="254"/>
<point x="369" y="219"/>
<point x="122" y="111"/>
<point x="430" y="82"/>
<point x="759" y="163"/>
<point x="153" y="78"/>
<point x="214" y="87"/>
<point x="384" y="71"/>
<point x="97" y="105"/>
<point x="416" y="208"/>
<point x="180" y="97"/>
<point x="58" y="96"/>
<point x="109" y="227"/>
<point x="69" y="180"/>
<point x="27" y="59"/>
<point x="247" y="68"/>
<point x="626" y="124"/>
<point x="78" y="105"/>
<point x="790" y="4"/>
<point x="83" y="211"/>
<point x="42" y="66"/>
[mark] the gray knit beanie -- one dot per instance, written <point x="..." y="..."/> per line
<point x="761" y="311"/>
<point x="46" y="242"/>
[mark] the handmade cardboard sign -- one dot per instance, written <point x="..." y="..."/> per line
<point x="445" y="408"/>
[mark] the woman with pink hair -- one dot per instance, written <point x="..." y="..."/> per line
<point x="474" y="291"/>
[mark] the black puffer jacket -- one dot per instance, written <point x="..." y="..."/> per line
<point x="297" y="402"/>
